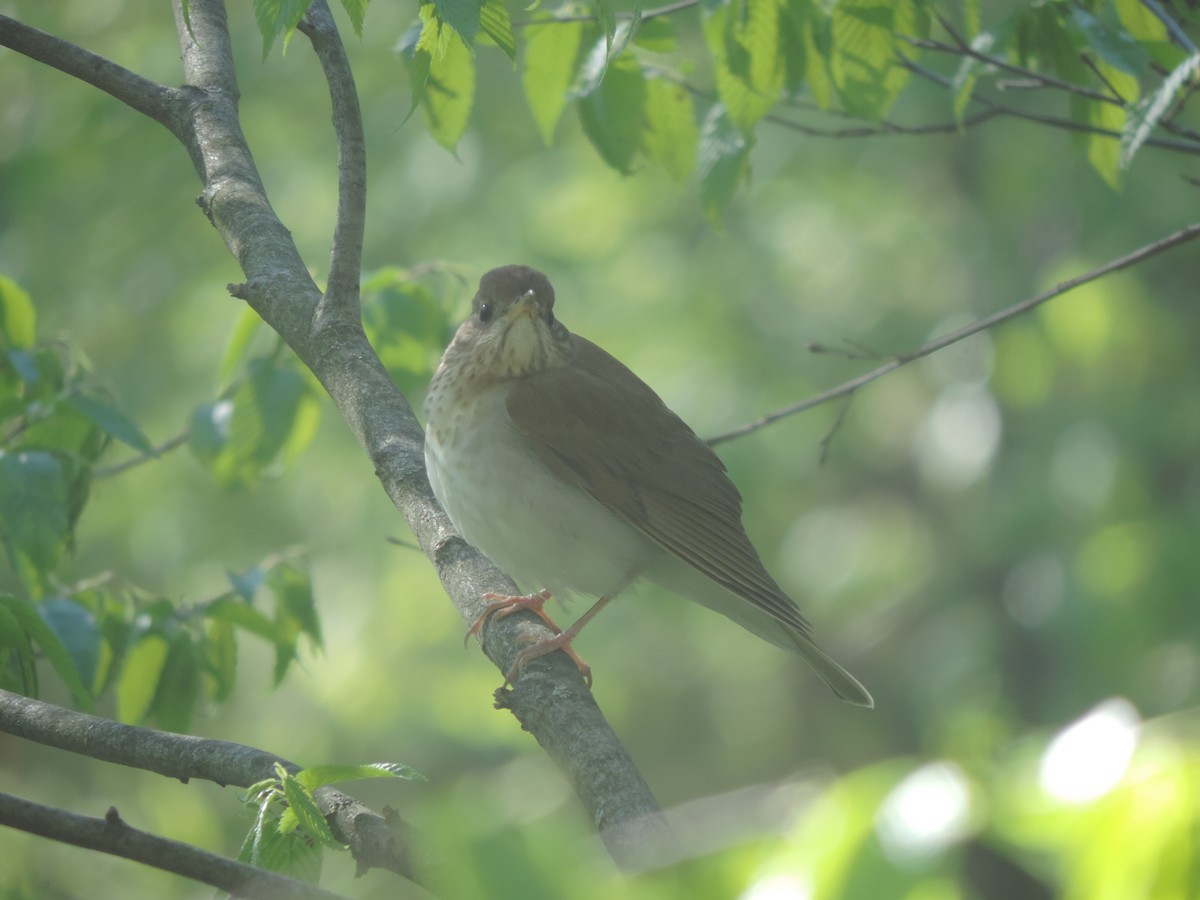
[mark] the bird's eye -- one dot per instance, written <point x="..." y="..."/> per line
<point x="485" y="313"/>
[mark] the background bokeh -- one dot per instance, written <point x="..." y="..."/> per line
<point x="1001" y="542"/>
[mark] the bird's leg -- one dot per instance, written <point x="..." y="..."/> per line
<point x="560" y="641"/>
<point x="502" y="605"/>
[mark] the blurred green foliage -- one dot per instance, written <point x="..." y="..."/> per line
<point x="1001" y="542"/>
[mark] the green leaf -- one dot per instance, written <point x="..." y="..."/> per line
<point x="243" y="332"/>
<point x="113" y="422"/>
<point x="247" y="583"/>
<point x="17" y="316"/>
<point x="34" y="516"/>
<point x="43" y="635"/>
<point x="318" y="776"/>
<point x="461" y="15"/>
<point x="261" y="832"/>
<point x="723" y="161"/>
<point x="357" y="11"/>
<point x="1104" y="152"/>
<point x="745" y="44"/>
<point x="495" y="22"/>
<point x="551" y="52"/>
<point x="670" y="134"/>
<point x="209" y="431"/>
<point x="291" y="854"/>
<point x="178" y="685"/>
<point x="138" y="682"/>
<point x="1113" y="43"/>
<point x="243" y="615"/>
<point x="276" y="17"/>
<point x="219" y="651"/>
<point x="406" y="324"/>
<point x="293" y="592"/>
<point x="15" y="640"/>
<point x="78" y="631"/>
<point x="612" y="114"/>
<point x="866" y="40"/>
<point x="656" y="35"/>
<point x="449" y="94"/>
<point x="304" y="808"/>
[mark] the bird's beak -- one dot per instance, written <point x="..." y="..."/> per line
<point x="526" y="306"/>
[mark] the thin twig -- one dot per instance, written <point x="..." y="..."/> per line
<point x="112" y="835"/>
<point x="165" y="447"/>
<point x="345" y="260"/>
<point x="1180" y="146"/>
<point x="1182" y="236"/>
<point x="1177" y="33"/>
<point x="654" y="13"/>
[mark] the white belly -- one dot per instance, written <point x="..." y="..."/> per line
<point x="543" y="532"/>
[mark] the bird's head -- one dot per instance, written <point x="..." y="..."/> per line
<point x="512" y="331"/>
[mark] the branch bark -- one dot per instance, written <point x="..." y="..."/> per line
<point x="112" y="835"/>
<point x="374" y="841"/>
<point x="551" y="700"/>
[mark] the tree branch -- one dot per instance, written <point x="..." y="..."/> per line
<point x="1191" y="232"/>
<point x="550" y="700"/>
<point x="112" y="835"/>
<point x="345" y="261"/>
<point x="139" y="93"/>
<point x="371" y="839"/>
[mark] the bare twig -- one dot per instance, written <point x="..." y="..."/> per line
<point x="1178" y="35"/>
<point x="112" y="835"/>
<point x="1191" y="232"/>
<point x="165" y="447"/>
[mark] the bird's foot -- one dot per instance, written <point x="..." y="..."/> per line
<point x="502" y="605"/>
<point x="560" y="641"/>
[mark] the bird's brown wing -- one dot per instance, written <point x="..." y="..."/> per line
<point x="599" y="427"/>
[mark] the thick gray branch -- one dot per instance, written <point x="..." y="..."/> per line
<point x="112" y="835"/>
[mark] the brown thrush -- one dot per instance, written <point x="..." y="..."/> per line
<point x="570" y="473"/>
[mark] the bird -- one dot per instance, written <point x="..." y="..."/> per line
<point x="563" y="467"/>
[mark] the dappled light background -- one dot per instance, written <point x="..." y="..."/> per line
<point x="1000" y="542"/>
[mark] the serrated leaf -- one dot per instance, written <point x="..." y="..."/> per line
<point x="551" y="52"/>
<point x="656" y="35"/>
<point x="304" y="808"/>
<point x="496" y="24"/>
<point x="247" y="583"/>
<point x="461" y="15"/>
<point x="407" y="326"/>
<point x="749" y="68"/>
<point x="866" y="35"/>
<point x="612" y="114"/>
<point x="357" y="11"/>
<point x="293" y="592"/>
<point x="318" y="776"/>
<point x="670" y="134"/>
<point x="722" y="161"/>
<point x="449" y="94"/>
<point x="259" y="833"/>
<point x="113" y="422"/>
<point x="79" y="633"/>
<point x="34" y="512"/>
<point x="276" y="17"/>
<point x="18" y="319"/>
<point x="138" y="680"/>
